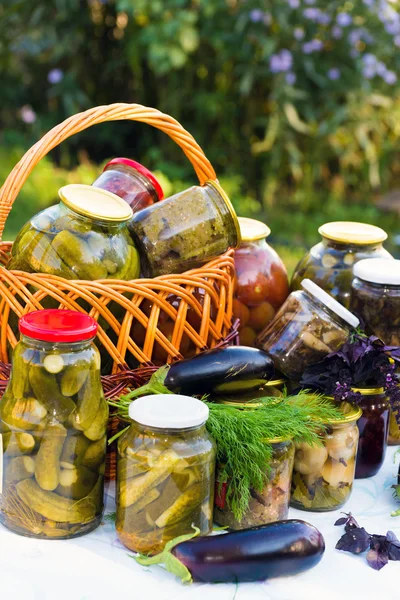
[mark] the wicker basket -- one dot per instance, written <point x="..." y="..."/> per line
<point x="204" y="294"/>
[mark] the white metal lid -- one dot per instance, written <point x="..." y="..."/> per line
<point x="378" y="270"/>
<point x="330" y="302"/>
<point x="168" y="411"/>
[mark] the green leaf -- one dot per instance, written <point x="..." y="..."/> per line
<point x="189" y="39"/>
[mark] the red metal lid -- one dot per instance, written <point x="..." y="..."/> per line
<point x="140" y="169"/>
<point x="57" y="325"/>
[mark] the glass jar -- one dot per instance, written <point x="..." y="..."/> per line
<point x="85" y="236"/>
<point x="375" y="298"/>
<point x="374" y="428"/>
<point x="394" y="430"/>
<point x="309" y="326"/>
<point x="186" y="230"/>
<point x="131" y="181"/>
<point x="272" y="503"/>
<point x="329" y="264"/>
<point x="323" y="475"/>
<point x="274" y="388"/>
<point x="165" y="472"/>
<point x="261" y="284"/>
<point x="53" y="423"/>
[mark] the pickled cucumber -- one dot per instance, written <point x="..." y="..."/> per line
<point x="95" y="453"/>
<point x="78" y="256"/>
<point x="128" y="468"/>
<point x="182" y="507"/>
<point x="74" y="449"/>
<point x="73" y="378"/>
<point x="131" y="268"/>
<point x="131" y="513"/>
<point x="88" y="404"/>
<point x="76" y="483"/>
<point x="98" y="427"/>
<point x="19" y="468"/>
<point x="170" y="494"/>
<point x="46" y="390"/>
<point x="20" y="365"/>
<point x="15" y="444"/>
<point x="24" y="413"/>
<point x="47" y="468"/>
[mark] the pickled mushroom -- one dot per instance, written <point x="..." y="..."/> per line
<point x="342" y="443"/>
<point x="335" y="472"/>
<point x="309" y="459"/>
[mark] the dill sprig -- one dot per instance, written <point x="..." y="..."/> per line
<point x="242" y="438"/>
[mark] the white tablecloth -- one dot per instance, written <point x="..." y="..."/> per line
<point x="98" y="567"/>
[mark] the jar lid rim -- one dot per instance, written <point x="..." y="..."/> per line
<point x="368" y="391"/>
<point x="330" y="302"/>
<point x="352" y="232"/>
<point x="58" y="325"/>
<point x="95" y="203"/>
<point x="140" y="169"/>
<point x="168" y="411"/>
<point x="252" y="230"/>
<point x="378" y="270"/>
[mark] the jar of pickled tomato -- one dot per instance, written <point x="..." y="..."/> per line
<point x="261" y="281"/>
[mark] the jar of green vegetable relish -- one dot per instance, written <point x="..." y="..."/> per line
<point x="165" y="472"/>
<point x="53" y="423"/>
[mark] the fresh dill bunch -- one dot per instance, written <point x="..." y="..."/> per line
<point x="242" y="437"/>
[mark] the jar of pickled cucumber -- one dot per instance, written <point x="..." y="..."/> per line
<point x="186" y="230"/>
<point x="329" y="264"/>
<point x="374" y="429"/>
<point x="165" y="472"/>
<point x="53" y="423"/>
<point x="265" y="506"/>
<point x="131" y="181"/>
<point x="309" y="326"/>
<point x="261" y="285"/>
<point x="394" y="430"/>
<point x="85" y="236"/>
<point x="323" y="475"/>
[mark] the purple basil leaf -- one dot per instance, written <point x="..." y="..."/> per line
<point x="394" y="552"/>
<point x="356" y="540"/>
<point x="378" y="558"/>
<point x="341" y="521"/>
<point x="391" y="537"/>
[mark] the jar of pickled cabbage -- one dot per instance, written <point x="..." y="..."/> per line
<point x="329" y="264"/>
<point x="165" y="472"/>
<point x="323" y="475"/>
<point x="375" y="298"/>
<point x="131" y="181"/>
<point x="85" y="236"/>
<point x="309" y="326"/>
<point x="186" y="230"/>
<point x="53" y="423"/>
<point x="261" y="281"/>
<point x="374" y="428"/>
<point x="265" y="506"/>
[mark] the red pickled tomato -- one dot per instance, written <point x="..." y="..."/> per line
<point x="247" y="336"/>
<point x="279" y="288"/>
<point x="252" y="287"/>
<point x="261" y="315"/>
<point x="240" y="311"/>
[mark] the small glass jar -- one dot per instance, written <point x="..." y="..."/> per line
<point x="323" y="475"/>
<point x="329" y="264"/>
<point x="394" y="430"/>
<point x="165" y="472"/>
<point x="272" y="502"/>
<point x="261" y="285"/>
<point x="53" y="423"/>
<point x="374" y="428"/>
<point x="375" y="298"/>
<point x="309" y="326"/>
<point x="131" y="181"/>
<point x="274" y="388"/>
<point x="85" y="236"/>
<point x="186" y="230"/>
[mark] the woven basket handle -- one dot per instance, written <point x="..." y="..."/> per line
<point x="81" y="121"/>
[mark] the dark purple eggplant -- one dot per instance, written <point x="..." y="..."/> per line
<point x="256" y="554"/>
<point x="230" y="369"/>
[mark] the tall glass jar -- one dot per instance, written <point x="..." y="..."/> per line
<point x="323" y="475"/>
<point x="308" y="326"/>
<point x="53" y="423"/>
<point x="186" y="230"/>
<point x="394" y="430"/>
<point x="329" y="264"/>
<point x="261" y="285"/>
<point x="374" y="428"/>
<point x="85" y="236"/>
<point x="165" y="472"/>
<point x="131" y="181"/>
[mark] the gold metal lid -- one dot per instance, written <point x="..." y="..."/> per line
<point x="369" y="391"/>
<point x="229" y="205"/>
<point x="279" y="440"/>
<point x="253" y="230"/>
<point x="273" y="382"/>
<point x="241" y="405"/>
<point x="349" y="232"/>
<point x="95" y="203"/>
<point x="350" y="412"/>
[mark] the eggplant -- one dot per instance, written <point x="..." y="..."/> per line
<point x="256" y="554"/>
<point x="230" y="369"/>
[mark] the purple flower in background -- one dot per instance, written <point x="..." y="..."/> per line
<point x="397" y="40"/>
<point x="313" y="46"/>
<point x="334" y="74"/>
<point x="337" y="32"/>
<point x="369" y="3"/>
<point x="311" y="13"/>
<point x="369" y="72"/>
<point x="294" y="3"/>
<point x="256" y="15"/>
<point x="281" y="61"/>
<point x="381" y="69"/>
<point x="27" y="114"/>
<point x="309" y="1"/>
<point x="390" y="77"/>
<point x="290" y="78"/>
<point x="298" y="33"/>
<point x="369" y="59"/>
<point x="392" y="28"/>
<point x="324" y="19"/>
<point x="55" y="76"/>
<point x="354" y="53"/>
<point x="343" y="19"/>
<point x="267" y="19"/>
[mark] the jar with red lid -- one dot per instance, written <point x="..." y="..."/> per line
<point x="261" y="281"/>
<point x="131" y="181"/>
<point x="53" y="423"/>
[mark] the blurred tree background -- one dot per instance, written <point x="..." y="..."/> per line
<point x="295" y="102"/>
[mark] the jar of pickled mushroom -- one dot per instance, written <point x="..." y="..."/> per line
<point x="309" y="326"/>
<point x="53" y="423"/>
<point x="85" y="236"/>
<point x="265" y="506"/>
<point x="374" y="428"/>
<point x="323" y="475"/>
<point x="329" y="264"/>
<point x="261" y="281"/>
<point x="165" y="472"/>
<point x="375" y="298"/>
<point x="186" y="230"/>
<point x="131" y="181"/>
<point x="275" y="388"/>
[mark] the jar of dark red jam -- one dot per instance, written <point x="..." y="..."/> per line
<point x="131" y="181"/>
<point x="373" y="427"/>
